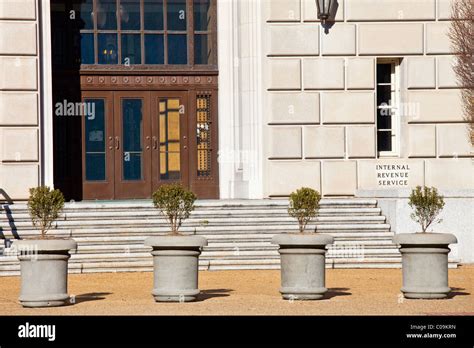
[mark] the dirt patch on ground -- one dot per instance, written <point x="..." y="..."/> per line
<point x="351" y="292"/>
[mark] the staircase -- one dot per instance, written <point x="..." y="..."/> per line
<point x="110" y="235"/>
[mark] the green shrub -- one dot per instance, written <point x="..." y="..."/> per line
<point x="427" y="205"/>
<point x="304" y="205"/>
<point x="175" y="202"/>
<point x="44" y="206"/>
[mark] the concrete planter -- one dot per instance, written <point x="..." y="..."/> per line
<point x="303" y="265"/>
<point x="176" y="267"/>
<point x="44" y="269"/>
<point x="425" y="264"/>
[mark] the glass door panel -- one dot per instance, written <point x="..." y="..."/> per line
<point x="97" y="146"/>
<point x="170" y="152"/>
<point x="132" y="144"/>
<point x="132" y="130"/>
<point x="95" y="140"/>
<point x="170" y="145"/>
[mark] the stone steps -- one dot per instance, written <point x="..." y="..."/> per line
<point x="163" y="229"/>
<point x="231" y="220"/>
<point x="110" y="235"/>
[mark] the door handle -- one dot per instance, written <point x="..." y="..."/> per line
<point x="111" y="143"/>
<point x="155" y="143"/>
<point x="148" y="143"/>
<point x="117" y="143"/>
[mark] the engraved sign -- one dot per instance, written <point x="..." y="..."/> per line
<point x="392" y="175"/>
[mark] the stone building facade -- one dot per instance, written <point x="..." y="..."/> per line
<point x="23" y="146"/>
<point x="362" y="105"/>
<point x="325" y="87"/>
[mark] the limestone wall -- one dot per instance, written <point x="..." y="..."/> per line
<point x="320" y="104"/>
<point x="19" y="98"/>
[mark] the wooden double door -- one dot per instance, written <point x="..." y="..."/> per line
<point x="133" y="142"/>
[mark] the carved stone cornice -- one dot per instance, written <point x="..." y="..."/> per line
<point x="109" y="69"/>
<point x="112" y="82"/>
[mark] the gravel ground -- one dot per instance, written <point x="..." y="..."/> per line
<point x="351" y="292"/>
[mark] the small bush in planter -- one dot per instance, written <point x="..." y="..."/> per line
<point x="44" y="206"/>
<point x="304" y="206"/>
<point x="302" y="255"/>
<point x="176" y="203"/>
<point x="175" y="256"/>
<point x="427" y="205"/>
<point x="44" y="284"/>
<point x="425" y="255"/>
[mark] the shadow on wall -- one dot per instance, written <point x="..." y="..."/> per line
<point x="11" y="221"/>
<point x="5" y="196"/>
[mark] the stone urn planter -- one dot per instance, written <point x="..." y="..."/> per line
<point x="176" y="267"/>
<point x="303" y="265"/>
<point x="425" y="264"/>
<point x="175" y="256"/>
<point x="303" y="255"/>
<point x="44" y="271"/>
<point x="44" y="261"/>
<point x="425" y="255"/>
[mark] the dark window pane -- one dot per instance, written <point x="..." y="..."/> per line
<point x="132" y="138"/>
<point x="154" y="49"/>
<point x="177" y="49"/>
<point x="384" y="72"/>
<point x="106" y="14"/>
<point x="177" y="15"/>
<point x="202" y="49"/>
<point x="202" y="14"/>
<point x="95" y="139"/>
<point x="384" y="95"/>
<point x="130" y="14"/>
<point x="384" y="119"/>
<point x="87" y="48"/>
<point x="95" y="125"/>
<point x="153" y="14"/>
<point x="84" y="14"/>
<point x="384" y="141"/>
<point x="108" y="49"/>
<point x="95" y="167"/>
<point x="132" y="122"/>
<point x="131" y="49"/>
<point x="132" y="166"/>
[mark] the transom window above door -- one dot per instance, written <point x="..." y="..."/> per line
<point x="147" y="32"/>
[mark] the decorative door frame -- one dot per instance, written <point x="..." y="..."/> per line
<point x="194" y="85"/>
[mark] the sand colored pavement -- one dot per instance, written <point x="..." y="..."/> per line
<point x="351" y="292"/>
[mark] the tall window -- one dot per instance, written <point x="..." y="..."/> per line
<point x="151" y="32"/>
<point x="387" y="107"/>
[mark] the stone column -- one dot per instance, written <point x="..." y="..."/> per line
<point x="240" y="110"/>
